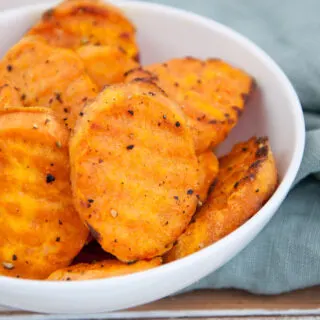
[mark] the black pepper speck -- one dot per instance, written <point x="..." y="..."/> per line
<point x="58" y="97"/>
<point x="50" y="178"/>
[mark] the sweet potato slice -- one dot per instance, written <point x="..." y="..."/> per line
<point x="102" y="269"/>
<point x="212" y="94"/>
<point x="9" y="96"/>
<point x="75" y="23"/>
<point x="106" y="64"/>
<point x="134" y="171"/>
<point x="209" y="168"/>
<point x="109" y="35"/>
<point x="49" y="77"/>
<point x="246" y="180"/>
<point x="40" y="229"/>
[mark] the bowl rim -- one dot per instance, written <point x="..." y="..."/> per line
<point x="267" y="210"/>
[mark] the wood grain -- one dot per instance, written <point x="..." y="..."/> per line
<point x="236" y="299"/>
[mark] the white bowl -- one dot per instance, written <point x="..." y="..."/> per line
<point x="275" y="111"/>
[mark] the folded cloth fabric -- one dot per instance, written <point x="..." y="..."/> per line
<point x="286" y="255"/>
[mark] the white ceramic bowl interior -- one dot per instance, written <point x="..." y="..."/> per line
<point x="165" y="33"/>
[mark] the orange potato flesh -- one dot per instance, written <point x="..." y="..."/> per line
<point x="134" y="171"/>
<point x="102" y="269"/>
<point x="9" y="96"/>
<point x="40" y="229"/>
<point x="75" y="23"/>
<point x="246" y="180"/>
<point x="211" y="93"/>
<point x="49" y="77"/>
<point x="209" y="168"/>
<point x="99" y="32"/>
<point x="106" y="64"/>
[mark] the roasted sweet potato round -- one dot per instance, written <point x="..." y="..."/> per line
<point x="102" y="32"/>
<point x="246" y="180"/>
<point x="40" y="229"/>
<point x="48" y="77"/>
<point x="134" y="171"/>
<point x="75" y="23"/>
<point x="102" y="269"/>
<point x="212" y="94"/>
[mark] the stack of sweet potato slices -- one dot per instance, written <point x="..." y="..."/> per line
<point x="98" y="151"/>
